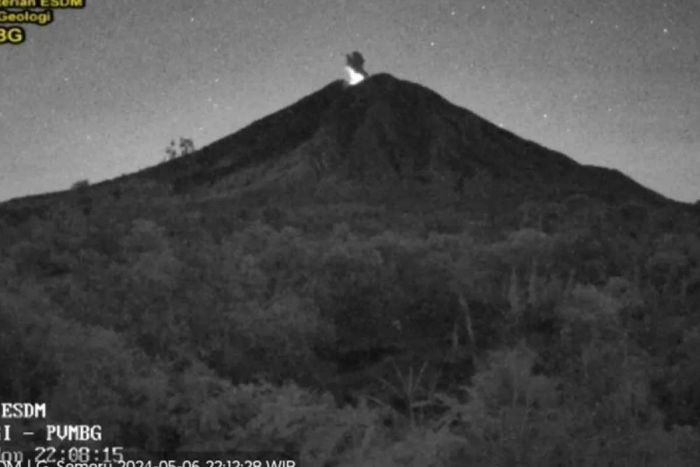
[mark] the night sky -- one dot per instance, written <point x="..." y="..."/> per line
<point x="102" y="91"/>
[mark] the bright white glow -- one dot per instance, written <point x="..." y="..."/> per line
<point x="353" y="76"/>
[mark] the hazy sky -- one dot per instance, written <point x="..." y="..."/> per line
<point x="102" y="91"/>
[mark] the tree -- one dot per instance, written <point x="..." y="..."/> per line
<point x="80" y="184"/>
<point x="184" y="147"/>
<point x="512" y="416"/>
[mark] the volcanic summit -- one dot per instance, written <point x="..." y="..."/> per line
<point x="389" y="129"/>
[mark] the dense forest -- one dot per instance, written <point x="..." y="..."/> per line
<point x="357" y="322"/>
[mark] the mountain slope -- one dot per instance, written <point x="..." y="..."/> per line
<point x="386" y="128"/>
<point x="383" y="130"/>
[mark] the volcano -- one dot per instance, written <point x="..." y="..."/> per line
<point x="383" y="132"/>
<point x="394" y="131"/>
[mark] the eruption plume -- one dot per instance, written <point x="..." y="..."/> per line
<point x="355" y="68"/>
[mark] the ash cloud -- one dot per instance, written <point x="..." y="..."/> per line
<point x="355" y="67"/>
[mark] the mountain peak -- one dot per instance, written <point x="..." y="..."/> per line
<point x="386" y="128"/>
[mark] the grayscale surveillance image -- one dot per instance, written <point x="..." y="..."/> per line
<point x="337" y="233"/>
